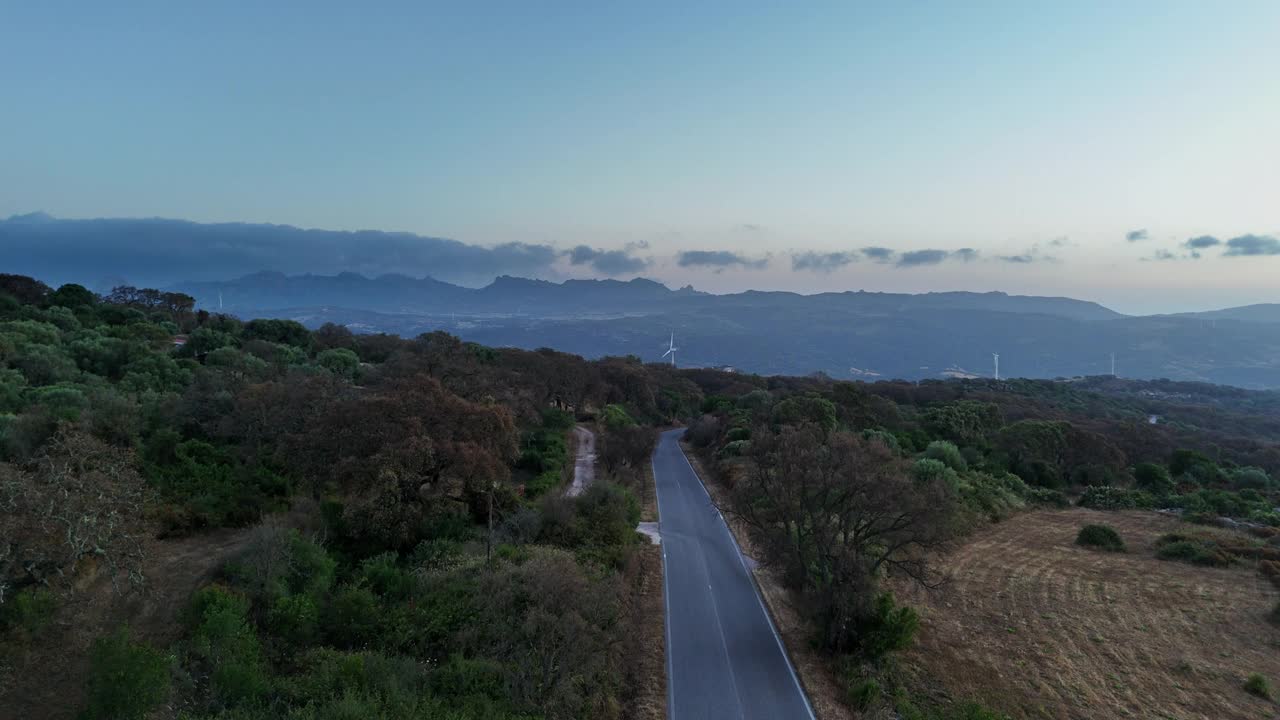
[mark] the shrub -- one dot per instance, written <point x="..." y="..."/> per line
<point x="225" y="642"/>
<point x="29" y="611"/>
<point x="351" y="618"/>
<point x="864" y="693"/>
<point x="890" y="627"/>
<point x="542" y="483"/>
<point x="1258" y="685"/>
<point x="1192" y="550"/>
<point x="1153" y="478"/>
<point x="295" y="618"/>
<point x="1103" y="537"/>
<point x="947" y="453"/>
<point x="1047" y="496"/>
<point x="126" y="679"/>
<point x="1106" y="497"/>
<point x="383" y="574"/>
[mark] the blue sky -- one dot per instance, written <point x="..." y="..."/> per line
<point x="1037" y="131"/>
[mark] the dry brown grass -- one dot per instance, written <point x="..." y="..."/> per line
<point x="645" y="649"/>
<point x="648" y="496"/>
<point x="1037" y="627"/>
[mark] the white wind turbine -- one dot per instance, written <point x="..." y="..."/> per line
<point x="671" y="350"/>
<point x="996" y="357"/>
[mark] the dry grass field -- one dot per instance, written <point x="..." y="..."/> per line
<point x="1037" y="627"/>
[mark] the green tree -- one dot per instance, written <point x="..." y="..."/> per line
<point x="339" y="361"/>
<point x="73" y="296"/>
<point x="806" y="408"/>
<point x="1153" y="478"/>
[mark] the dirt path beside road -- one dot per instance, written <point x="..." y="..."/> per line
<point x="584" y="466"/>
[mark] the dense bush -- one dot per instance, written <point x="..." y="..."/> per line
<point x="1257" y="685"/>
<point x="1103" y="537"/>
<point x="948" y="454"/>
<point x="888" y="628"/>
<point x="126" y="679"/>
<point x="1105" y="497"/>
<point x="1197" y="551"/>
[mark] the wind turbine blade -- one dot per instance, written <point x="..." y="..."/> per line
<point x="668" y="352"/>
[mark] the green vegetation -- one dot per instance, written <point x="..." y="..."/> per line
<point x="452" y="580"/>
<point x="28" y="612"/>
<point x="126" y="679"/>
<point x="418" y="559"/>
<point x="1192" y="549"/>
<point x="1103" y="537"/>
<point x="1257" y="685"/>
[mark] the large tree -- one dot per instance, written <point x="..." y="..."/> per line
<point x="836" y="512"/>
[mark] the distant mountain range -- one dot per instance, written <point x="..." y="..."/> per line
<point x="407" y="284"/>
<point x="857" y="335"/>
<point x="515" y="296"/>
<point x="1266" y="312"/>
<point x="506" y="295"/>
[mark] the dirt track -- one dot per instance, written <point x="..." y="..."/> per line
<point x="584" y="466"/>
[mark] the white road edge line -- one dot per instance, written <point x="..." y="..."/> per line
<point x="666" y="591"/>
<point x="751" y="578"/>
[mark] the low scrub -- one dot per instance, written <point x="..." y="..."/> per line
<point x="126" y="679"/>
<point x="28" y="613"/>
<point x="1258" y="685"/>
<point x="1106" y="497"/>
<point x="1102" y="537"/>
<point x="1193" y="550"/>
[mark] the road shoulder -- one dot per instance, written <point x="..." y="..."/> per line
<point x="815" y="674"/>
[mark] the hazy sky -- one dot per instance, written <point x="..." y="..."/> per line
<point x="1039" y="137"/>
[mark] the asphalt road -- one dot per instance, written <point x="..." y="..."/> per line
<point x="724" y="659"/>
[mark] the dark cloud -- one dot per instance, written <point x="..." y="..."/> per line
<point x="718" y="259"/>
<point x="1252" y="245"/>
<point x="913" y="258"/>
<point x="750" y="227"/>
<point x="822" y="262"/>
<point x="1166" y="255"/>
<point x="916" y="258"/>
<point x="1060" y="241"/>
<point x="1202" y="242"/>
<point x="1136" y="235"/>
<point x="878" y="254"/>
<point x="159" y="252"/>
<point x="1017" y="259"/>
<point x="608" y="262"/>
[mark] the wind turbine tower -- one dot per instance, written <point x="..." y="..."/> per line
<point x="996" y="357"/>
<point x="671" y="350"/>
<point x="1113" y="364"/>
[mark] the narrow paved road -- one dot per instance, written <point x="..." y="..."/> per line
<point x="724" y="659"/>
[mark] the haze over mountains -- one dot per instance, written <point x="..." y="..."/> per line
<point x="400" y="283"/>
